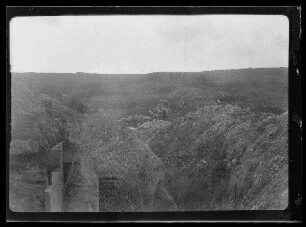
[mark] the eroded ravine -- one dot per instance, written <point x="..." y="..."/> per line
<point x="126" y="176"/>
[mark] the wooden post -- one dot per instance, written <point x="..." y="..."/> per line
<point x="54" y="193"/>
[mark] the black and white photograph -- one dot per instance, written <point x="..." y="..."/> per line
<point x="149" y="113"/>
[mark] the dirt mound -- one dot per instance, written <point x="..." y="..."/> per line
<point x="40" y="120"/>
<point x="149" y="128"/>
<point x="118" y="170"/>
<point x="225" y="157"/>
<point x="135" y="172"/>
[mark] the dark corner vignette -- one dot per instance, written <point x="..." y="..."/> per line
<point x="292" y="213"/>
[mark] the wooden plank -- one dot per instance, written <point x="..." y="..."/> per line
<point x="54" y="193"/>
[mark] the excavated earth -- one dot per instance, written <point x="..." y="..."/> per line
<point x="121" y="175"/>
<point x="223" y="157"/>
<point x="192" y="152"/>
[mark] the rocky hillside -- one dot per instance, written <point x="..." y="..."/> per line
<point x="40" y="115"/>
<point x="117" y="169"/>
<point x="223" y="157"/>
<point x="158" y="142"/>
<point x="40" y="119"/>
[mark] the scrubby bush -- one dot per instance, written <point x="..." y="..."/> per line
<point x="76" y="104"/>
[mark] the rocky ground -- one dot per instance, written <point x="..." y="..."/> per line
<point x="223" y="157"/>
<point x="220" y="157"/>
<point x="177" y="144"/>
<point x="122" y="174"/>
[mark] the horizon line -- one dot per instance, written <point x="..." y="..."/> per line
<point x="100" y="73"/>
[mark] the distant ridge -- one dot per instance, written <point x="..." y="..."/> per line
<point x="150" y="73"/>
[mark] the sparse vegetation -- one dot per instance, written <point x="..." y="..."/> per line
<point x="193" y="141"/>
<point x="76" y="104"/>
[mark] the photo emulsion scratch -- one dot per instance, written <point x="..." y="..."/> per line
<point x="149" y="113"/>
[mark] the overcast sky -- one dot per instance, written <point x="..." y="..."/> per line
<point x="143" y="44"/>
